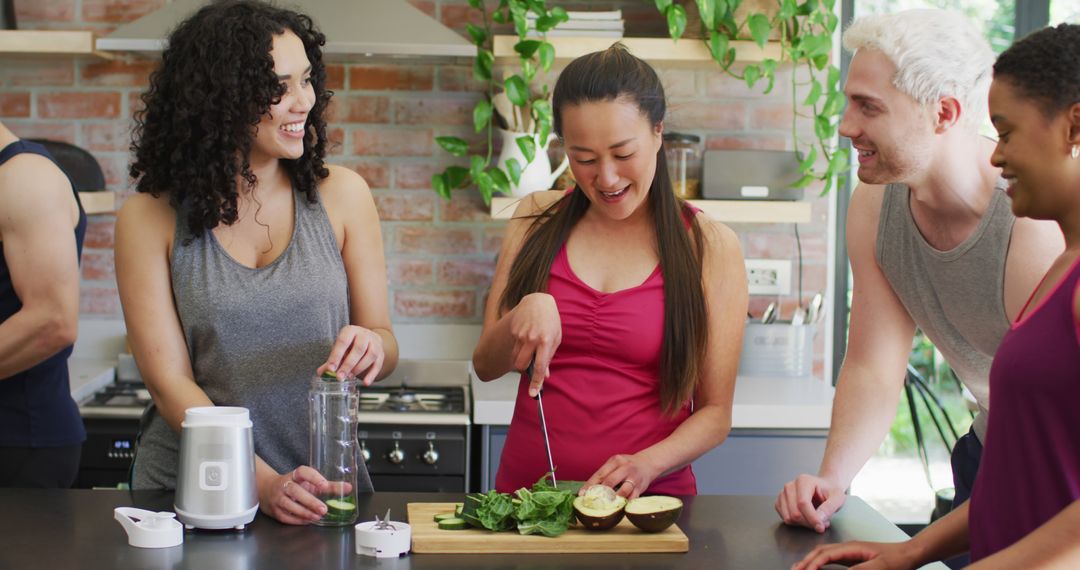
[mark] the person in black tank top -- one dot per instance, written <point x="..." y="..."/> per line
<point x="41" y="432"/>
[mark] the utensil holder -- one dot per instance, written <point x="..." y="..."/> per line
<point x="777" y="349"/>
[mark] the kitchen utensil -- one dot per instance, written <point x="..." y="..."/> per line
<point x="215" y="485"/>
<point x="815" y="312"/>
<point x="332" y="411"/>
<point x="383" y="538"/>
<point x="769" y="315"/>
<point x="147" y="529"/>
<point x="798" y="317"/>
<point x="543" y="427"/>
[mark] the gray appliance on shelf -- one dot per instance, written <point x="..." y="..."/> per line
<point x="750" y="175"/>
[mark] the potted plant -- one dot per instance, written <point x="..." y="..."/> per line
<point x="532" y="109"/>
<point x="803" y="28"/>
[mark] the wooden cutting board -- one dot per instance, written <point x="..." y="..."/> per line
<point x="427" y="538"/>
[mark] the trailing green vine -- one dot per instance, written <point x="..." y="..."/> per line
<point x="806" y="38"/>
<point x="534" y="54"/>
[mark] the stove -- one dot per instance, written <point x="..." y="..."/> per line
<point x="414" y="428"/>
<point x="111" y="417"/>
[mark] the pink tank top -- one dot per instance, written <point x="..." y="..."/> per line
<point x="1030" y="467"/>
<point x="603" y="395"/>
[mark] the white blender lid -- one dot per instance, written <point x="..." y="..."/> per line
<point x="217" y="416"/>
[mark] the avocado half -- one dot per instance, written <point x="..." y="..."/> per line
<point x="653" y="513"/>
<point x="599" y="508"/>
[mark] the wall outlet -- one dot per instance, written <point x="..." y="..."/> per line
<point x="769" y="276"/>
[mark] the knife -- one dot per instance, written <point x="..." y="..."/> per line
<point x="543" y="426"/>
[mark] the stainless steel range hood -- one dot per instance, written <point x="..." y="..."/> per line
<point x="353" y="28"/>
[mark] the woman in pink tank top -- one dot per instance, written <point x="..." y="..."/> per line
<point x="628" y="304"/>
<point x="1024" y="510"/>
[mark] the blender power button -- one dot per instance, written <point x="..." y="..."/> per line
<point x="213" y="476"/>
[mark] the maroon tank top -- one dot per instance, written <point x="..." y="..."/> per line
<point x="1031" y="464"/>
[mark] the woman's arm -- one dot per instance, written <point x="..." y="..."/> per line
<point x="947" y="537"/>
<point x="144" y="230"/>
<point x="368" y="347"/>
<point x="726" y="298"/>
<point x="531" y="331"/>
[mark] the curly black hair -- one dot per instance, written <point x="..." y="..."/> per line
<point x="1045" y="66"/>
<point x="215" y="82"/>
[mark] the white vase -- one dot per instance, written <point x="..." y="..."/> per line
<point x="537" y="175"/>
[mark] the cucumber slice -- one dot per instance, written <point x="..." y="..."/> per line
<point x="446" y="515"/>
<point x="329" y="375"/>
<point x="453" y="523"/>
<point x="341" y="509"/>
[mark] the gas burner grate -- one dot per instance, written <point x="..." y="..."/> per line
<point x="436" y="399"/>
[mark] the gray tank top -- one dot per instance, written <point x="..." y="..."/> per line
<point x="956" y="297"/>
<point x="255" y="338"/>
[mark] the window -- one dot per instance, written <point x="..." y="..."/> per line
<point x="1064" y="11"/>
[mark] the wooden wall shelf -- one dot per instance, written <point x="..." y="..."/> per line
<point x="728" y="211"/>
<point x="686" y="50"/>
<point x="98" y="202"/>
<point x="48" y="42"/>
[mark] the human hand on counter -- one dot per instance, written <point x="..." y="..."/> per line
<point x="809" y="501"/>
<point x="290" y="498"/>
<point x="630" y="475"/>
<point x="356" y="351"/>
<point x="865" y="556"/>
<point x="536" y="331"/>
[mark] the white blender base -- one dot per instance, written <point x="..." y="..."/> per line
<point x="214" y="522"/>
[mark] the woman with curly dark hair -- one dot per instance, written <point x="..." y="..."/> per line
<point x="245" y="264"/>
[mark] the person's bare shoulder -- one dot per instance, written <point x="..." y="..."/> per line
<point x="31" y="184"/>
<point x="343" y="187"/>
<point x="145" y="216"/>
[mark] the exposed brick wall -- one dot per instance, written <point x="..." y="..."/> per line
<point x="440" y="255"/>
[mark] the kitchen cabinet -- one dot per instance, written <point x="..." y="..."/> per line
<point x="779" y="429"/>
<point x="65" y="528"/>
<point x="655" y="50"/>
<point x="728" y="211"/>
<point x="750" y="462"/>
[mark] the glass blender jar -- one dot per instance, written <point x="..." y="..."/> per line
<point x="333" y="406"/>
<point x="684" y="164"/>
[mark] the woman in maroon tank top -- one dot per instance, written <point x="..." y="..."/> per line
<point x="1024" y="510"/>
<point x="628" y="304"/>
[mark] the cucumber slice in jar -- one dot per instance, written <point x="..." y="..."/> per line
<point x="339" y="509"/>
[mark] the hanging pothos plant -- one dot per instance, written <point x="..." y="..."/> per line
<point x="805" y="34"/>
<point x="534" y="53"/>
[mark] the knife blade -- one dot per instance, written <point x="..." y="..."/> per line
<point x="543" y="427"/>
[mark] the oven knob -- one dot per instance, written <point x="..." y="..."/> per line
<point x="396" y="455"/>
<point x="365" y="452"/>
<point x="431" y="457"/>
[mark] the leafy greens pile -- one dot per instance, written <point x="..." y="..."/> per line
<point x="543" y="509"/>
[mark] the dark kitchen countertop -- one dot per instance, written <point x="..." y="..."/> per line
<point x="59" y="529"/>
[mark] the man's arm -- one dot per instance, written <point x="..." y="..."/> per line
<point x="870" y="380"/>
<point x="38" y="240"/>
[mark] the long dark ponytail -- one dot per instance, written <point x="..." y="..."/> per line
<point x="610" y="75"/>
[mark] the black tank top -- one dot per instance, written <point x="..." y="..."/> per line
<point x="36" y="409"/>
